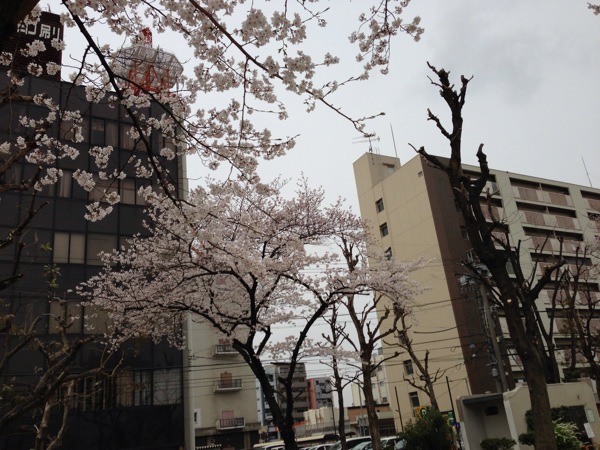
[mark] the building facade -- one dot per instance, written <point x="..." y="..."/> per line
<point x="221" y="389"/>
<point x="378" y="381"/>
<point x="299" y="390"/>
<point x="411" y="208"/>
<point x="141" y="404"/>
<point x="320" y="392"/>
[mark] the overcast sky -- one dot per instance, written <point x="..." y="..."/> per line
<point x="534" y="100"/>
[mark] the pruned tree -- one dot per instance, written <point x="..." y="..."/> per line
<point x="375" y="310"/>
<point x="517" y="295"/>
<point x="238" y="259"/>
<point x="577" y="300"/>
<point x="425" y="380"/>
<point x="333" y="354"/>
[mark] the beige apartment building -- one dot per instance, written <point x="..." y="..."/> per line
<point x="220" y="392"/>
<point x="411" y="208"/>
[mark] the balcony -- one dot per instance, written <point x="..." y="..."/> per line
<point x="553" y="245"/>
<point x="228" y="424"/>
<point x="536" y="195"/>
<point x="224" y="350"/>
<point x="549" y="220"/>
<point x="592" y="204"/>
<point x="498" y="212"/>
<point x="582" y="299"/>
<point x="228" y="385"/>
<point x="584" y="272"/>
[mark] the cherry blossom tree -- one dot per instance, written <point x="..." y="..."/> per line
<point x="241" y="258"/>
<point x="246" y="54"/>
<point x="246" y="57"/>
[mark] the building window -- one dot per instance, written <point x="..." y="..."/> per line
<point x="142" y="388"/>
<point x="383" y="229"/>
<point x="69" y="248"/>
<point x="65" y="184"/>
<point x="101" y="189"/>
<point x="414" y="399"/>
<point x="99" y="243"/>
<point x="69" y="312"/>
<point x="129" y="192"/>
<point x="167" y="386"/>
<point x="74" y="131"/>
<point x="111" y="133"/>
<point x="127" y="141"/>
<point x="97" y="136"/>
<point x="104" y="132"/>
<point x="379" y="205"/>
<point x="388" y="253"/>
<point x="408" y="367"/>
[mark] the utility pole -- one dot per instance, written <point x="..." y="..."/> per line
<point x="399" y="411"/>
<point x="491" y="329"/>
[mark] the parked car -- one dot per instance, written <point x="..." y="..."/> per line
<point x="352" y="442"/>
<point x="388" y="443"/>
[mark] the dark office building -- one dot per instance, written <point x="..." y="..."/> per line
<point x="141" y="404"/>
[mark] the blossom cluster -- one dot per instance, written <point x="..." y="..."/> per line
<point x="242" y="258"/>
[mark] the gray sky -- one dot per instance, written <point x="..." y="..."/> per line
<point x="534" y="99"/>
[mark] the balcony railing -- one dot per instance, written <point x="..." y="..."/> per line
<point x="535" y="195"/>
<point x="228" y="385"/>
<point x="553" y="245"/>
<point x="496" y="211"/>
<point x="592" y="204"/>
<point x="581" y="299"/>
<point x="225" y="424"/>
<point x="549" y="220"/>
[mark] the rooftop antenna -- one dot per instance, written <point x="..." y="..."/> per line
<point x="586" y="172"/>
<point x="367" y="138"/>
<point x="394" y="141"/>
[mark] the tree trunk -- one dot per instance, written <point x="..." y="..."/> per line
<point x="533" y="366"/>
<point x="371" y="408"/>
<point x="517" y="296"/>
<point x="339" y="388"/>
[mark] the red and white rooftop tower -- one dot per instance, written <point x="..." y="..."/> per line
<point x="148" y="69"/>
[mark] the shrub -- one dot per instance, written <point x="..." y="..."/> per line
<point x="497" y="444"/>
<point x="429" y="431"/>
<point x="565" y="433"/>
